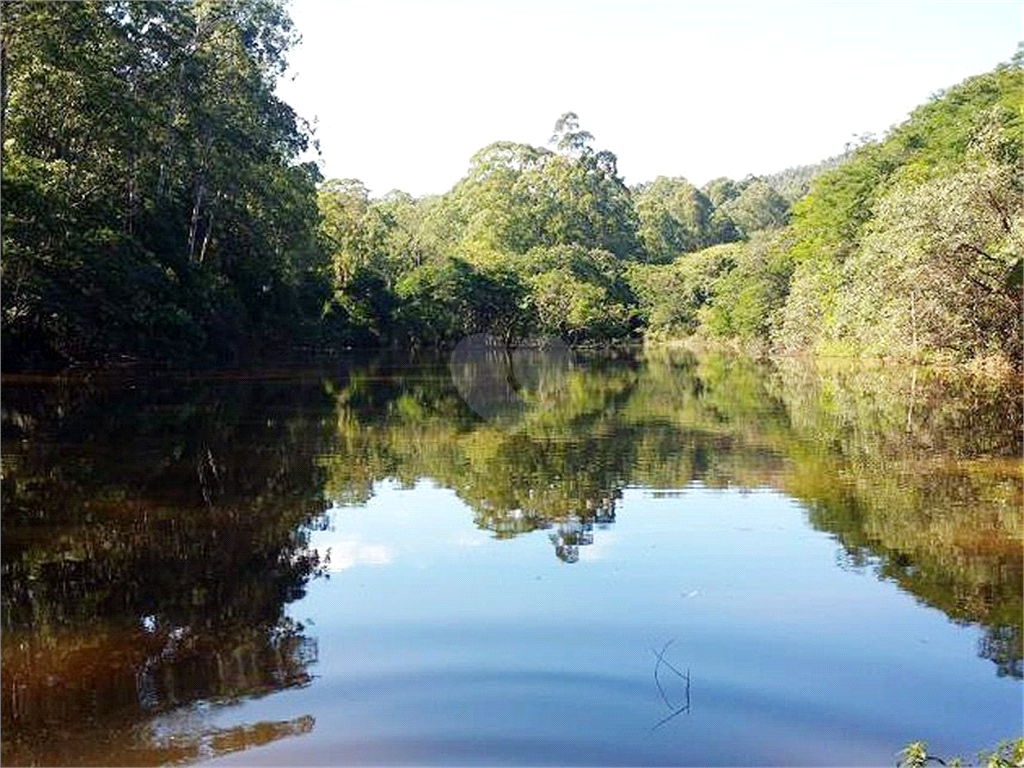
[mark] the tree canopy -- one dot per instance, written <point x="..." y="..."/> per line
<point x="155" y="207"/>
<point x="153" y="203"/>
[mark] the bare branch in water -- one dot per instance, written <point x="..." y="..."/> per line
<point x="676" y="711"/>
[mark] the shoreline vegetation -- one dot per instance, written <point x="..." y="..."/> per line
<point x="156" y="210"/>
<point x="1006" y="754"/>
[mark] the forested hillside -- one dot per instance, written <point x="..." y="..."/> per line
<point x="154" y="207"/>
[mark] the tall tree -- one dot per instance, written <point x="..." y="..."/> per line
<point x="674" y="217"/>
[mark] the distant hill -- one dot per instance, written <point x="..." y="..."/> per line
<point x="793" y="183"/>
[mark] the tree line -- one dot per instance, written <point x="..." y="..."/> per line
<point x="153" y="204"/>
<point x="155" y="207"/>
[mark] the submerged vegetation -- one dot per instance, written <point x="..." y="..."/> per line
<point x="155" y="207"/>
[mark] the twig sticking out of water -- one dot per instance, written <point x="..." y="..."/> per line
<point x="685" y="706"/>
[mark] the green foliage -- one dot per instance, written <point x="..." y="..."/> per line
<point x="915" y="755"/>
<point x="793" y="183"/>
<point x="531" y="240"/>
<point x="579" y="294"/>
<point x="665" y="300"/>
<point x="1007" y="754"/>
<point x="909" y="248"/>
<point x="446" y="300"/>
<point x="517" y="197"/>
<point x="721" y="190"/>
<point x="729" y="291"/>
<point x="674" y="217"/>
<point x="745" y="300"/>
<point x="152" y="205"/>
<point x="670" y="296"/>
<point x="931" y="273"/>
<point x="756" y="208"/>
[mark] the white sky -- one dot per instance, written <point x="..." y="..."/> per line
<point x="405" y="92"/>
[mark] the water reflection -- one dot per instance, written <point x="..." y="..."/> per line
<point x="155" y="531"/>
<point x="916" y="474"/>
<point x="152" y="536"/>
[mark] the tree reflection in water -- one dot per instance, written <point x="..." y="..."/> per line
<point x="152" y="536"/>
<point x="154" y="532"/>
<point x="916" y="472"/>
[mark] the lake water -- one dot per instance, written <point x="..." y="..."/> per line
<point x="647" y="559"/>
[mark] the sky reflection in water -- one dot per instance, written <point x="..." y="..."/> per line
<point x="834" y="559"/>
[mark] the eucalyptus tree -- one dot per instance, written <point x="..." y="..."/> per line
<point x="721" y="190"/>
<point x="674" y="217"/>
<point x="591" y="205"/>
<point x="516" y="197"/>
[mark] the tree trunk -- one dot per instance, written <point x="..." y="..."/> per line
<point x="129" y="224"/>
<point x="197" y="208"/>
<point x="209" y="228"/>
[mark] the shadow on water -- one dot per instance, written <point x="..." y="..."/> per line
<point x="154" y="530"/>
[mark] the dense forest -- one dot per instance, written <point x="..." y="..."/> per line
<point x="155" y="207"/>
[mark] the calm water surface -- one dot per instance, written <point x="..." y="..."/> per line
<point x="654" y="559"/>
